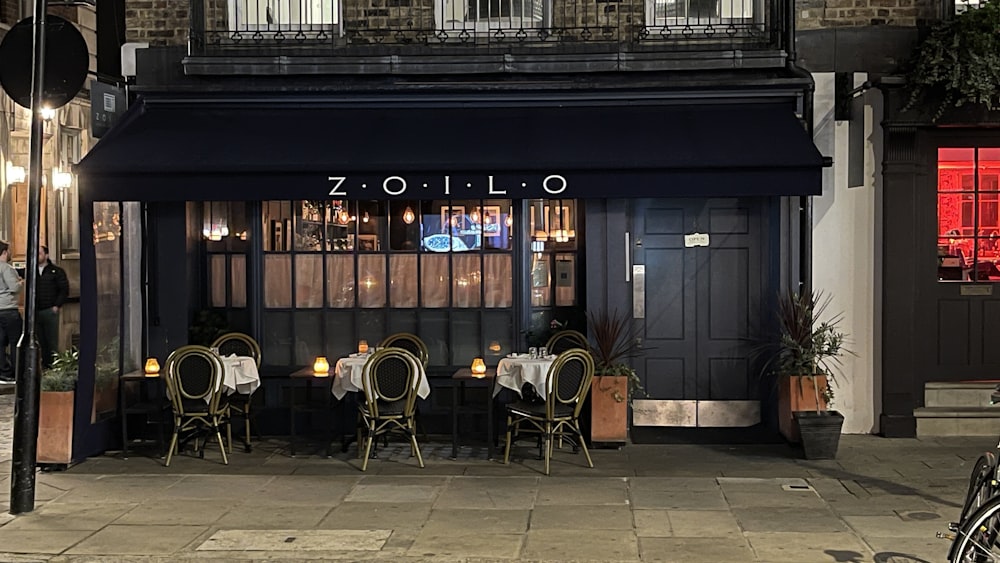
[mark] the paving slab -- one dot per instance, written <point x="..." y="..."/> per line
<point x="70" y="517"/>
<point x="392" y="493"/>
<point x="679" y="499"/>
<point x="496" y="521"/>
<point x="433" y="545"/>
<point x="270" y="514"/>
<point x="296" y="540"/>
<point x="172" y="512"/>
<point x="780" y="547"/>
<point x="573" y="490"/>
<point x="39" y="541"/>
<point x="687" y="550"/>
<point x="895" y="527"/>
<point x="570" y="545"/>
<point x="805" y="520"/>
<point x="377" y="515"/>
<point x="703" y="524"/>
<point x="909" y="550"/>
<point x="296" y="489"/>
<point x="488" y="492"/>
<point x="577" y="517"/>
<point x="138" y="540"/>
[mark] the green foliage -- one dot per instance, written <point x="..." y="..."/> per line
<point x="106" y="364"/>
<point x="614" y="345"/>
<point x="63" y="374"/>
<point x="805" y="345"/>
<point x="958" y="63"/>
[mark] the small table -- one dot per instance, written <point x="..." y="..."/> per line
<point x="149" y="404"/>
<point x="325" y="405"/>
<point x="460" y="379"/>
<point x="350" y="377"/>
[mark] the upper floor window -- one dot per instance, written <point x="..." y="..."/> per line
<point x="966" y="5"/>
<point x="697" y="16"/>
<point x="968" y="211"/>
<point x="283" y="15"/>
<point x="484" y="15"/>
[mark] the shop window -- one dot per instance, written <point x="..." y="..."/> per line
<point x="968" y="212"/>
<point x="485" y="15"/>
<point x="704" y="13"/>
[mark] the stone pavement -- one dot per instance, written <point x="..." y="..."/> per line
<point x="882" y="500"/>
<point x="6" y="425"/>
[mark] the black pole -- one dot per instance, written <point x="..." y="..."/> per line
<point x="805" y="202"/>
<point x="25" y="450"/>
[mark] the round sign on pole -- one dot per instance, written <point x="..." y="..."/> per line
<point x="66" y="62"/>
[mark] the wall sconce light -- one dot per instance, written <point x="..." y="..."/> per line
<point x="495" y="347"/>
<point x="321" y="367"/>
<point x="478" y="368"/>
<point x="216" y="223"/>
<point x="61" y="180"/>
<point x="509" y="221"/>
<point x="408" y="215"/>
<point x="15" y="174"/>
<point x="47" y="113"/>
<point x="362" y="346"/>
<point x="152" y="368"/>
<point x="365" y="219"/>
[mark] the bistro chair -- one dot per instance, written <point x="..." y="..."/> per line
<point x="566" y="340"/>
<point x="568" y="382"/>
<point x="241" y="345"/>
<point x="390" y="385"/>
<point x="194" y="385"/>
<point x="409" y="342"/>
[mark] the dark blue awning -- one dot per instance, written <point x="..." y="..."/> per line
<point x="237" y="150"/>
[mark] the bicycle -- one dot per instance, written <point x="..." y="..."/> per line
<point x="978" y="527"/>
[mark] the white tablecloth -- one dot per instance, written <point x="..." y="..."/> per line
<point x="514" y="372"/>
<point x="349" y="372"/>
<point x="239" y="375"/>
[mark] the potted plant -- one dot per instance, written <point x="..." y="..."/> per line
<point x="958" y="63"/>
<point x="615" y="381"/>
<point x="55" y="413"/>
<point x="803" y="359"/>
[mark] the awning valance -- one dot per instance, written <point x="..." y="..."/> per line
<point x="238" y="150"/>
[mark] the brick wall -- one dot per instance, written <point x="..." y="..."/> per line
<point x="817" y="14"/>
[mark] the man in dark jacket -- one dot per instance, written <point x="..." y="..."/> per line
<point x="51" y="292"/>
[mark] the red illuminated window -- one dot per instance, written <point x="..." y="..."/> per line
<point x="968" y="211"/>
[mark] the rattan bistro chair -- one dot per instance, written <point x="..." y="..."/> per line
<point x="409" y="342"/>
<point x="194" y="385"/>
<point x="241" y="345"/>
<point x="390" y="385"/>
<point x="566" y="340"/>
<point x="568" y="382"/>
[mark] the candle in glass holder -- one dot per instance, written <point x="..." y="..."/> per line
<point x="321" y="367"/>
<point x="152" y="368"/>
<point x="478" y="368"/>
<point x="362" y="346"/>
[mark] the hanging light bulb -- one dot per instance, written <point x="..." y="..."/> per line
<point x="365" y="218"/>
<point x="474" y="216"/>
<point x="510" y="218"/>
<point x="344" y="217"/>
<point x="408" y="215"/>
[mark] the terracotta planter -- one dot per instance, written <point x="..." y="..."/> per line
<point x="609" y="409"/>
<point x="796" y="393"/>
<point x="55" y="427"/>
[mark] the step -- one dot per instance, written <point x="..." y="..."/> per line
<point x="959" y="393"/>
<point x="957" y="421"/>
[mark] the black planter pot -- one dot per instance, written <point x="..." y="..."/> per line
<point x="820" y="433"/>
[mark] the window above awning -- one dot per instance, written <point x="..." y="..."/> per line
<point x="239" y="150"/>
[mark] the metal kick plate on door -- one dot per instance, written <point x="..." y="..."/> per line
<point x="638" y="291"/>
<point x="695" y="239"/>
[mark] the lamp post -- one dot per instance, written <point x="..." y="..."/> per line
<point x="22" y="490"/>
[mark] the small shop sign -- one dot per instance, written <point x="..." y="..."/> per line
<point x="402" y="186"/>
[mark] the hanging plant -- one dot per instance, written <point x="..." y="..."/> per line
<point x="959" y="62"/>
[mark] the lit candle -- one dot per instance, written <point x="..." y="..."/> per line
<point x="362" y="346"/>
<point x="152" y="368"/>
<point x="321" y="367"/>
<point x="478" y="368"/>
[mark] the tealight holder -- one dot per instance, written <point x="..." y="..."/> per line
<point x="152" y="368"/>
<point x="321" y="367"/>
<point x="478" y="368"/>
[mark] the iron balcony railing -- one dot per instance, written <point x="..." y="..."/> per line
<point x="345" y="26"/>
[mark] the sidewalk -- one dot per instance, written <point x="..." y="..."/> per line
<point x="881" y="500"/>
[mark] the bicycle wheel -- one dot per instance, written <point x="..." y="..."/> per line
<point x="976" y="540"/>
<point x="982" y="485"/>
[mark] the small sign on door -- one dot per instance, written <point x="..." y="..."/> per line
<point x="695" y="239"/>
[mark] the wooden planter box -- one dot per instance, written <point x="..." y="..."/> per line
<point x="609" y="409"/>
<point x="796" y="393"/>
<point x="55" y="427"/>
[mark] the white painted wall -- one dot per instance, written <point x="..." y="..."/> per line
<point x="845" y="244"/>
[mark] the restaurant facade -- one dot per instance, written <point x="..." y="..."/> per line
<point x="479" y="182"/>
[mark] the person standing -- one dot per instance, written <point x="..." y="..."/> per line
<point x="50" y="294"/>
<point x="10" y="318"/>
